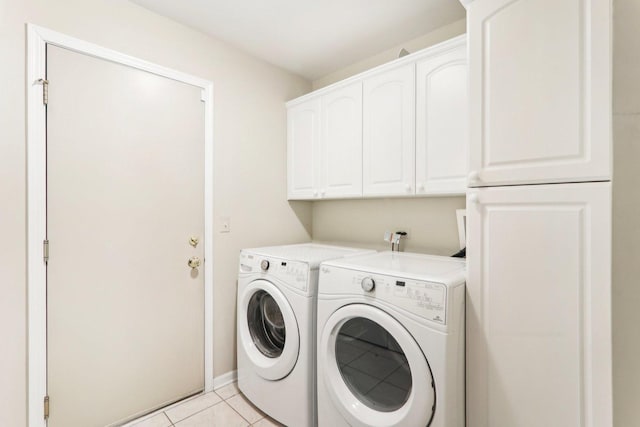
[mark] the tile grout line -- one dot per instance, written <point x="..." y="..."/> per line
<point x="197" y="412"/>
<point x="237" y="412"/>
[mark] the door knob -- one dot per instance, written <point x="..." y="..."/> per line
<point x="194" y="262"/>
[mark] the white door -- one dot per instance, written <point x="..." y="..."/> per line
<point x="374" y="371"/>
<point x="341" y="143"/>
<point x="389" y="133"/>
<point x="268" y="330"/>
<point x="442" y="123"/>
<point x="540" y="91"/>
<point x="303" y="139"/>
<point x="539" y="306"/>
<point x="125" y="193"/>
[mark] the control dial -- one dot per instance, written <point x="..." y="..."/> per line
<point x="264" y="265"/>
<point x="368" y="284"/>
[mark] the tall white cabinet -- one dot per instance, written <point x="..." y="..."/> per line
<point x="540" y="91"/>
<point x="539" y="256"/>
<point x="539" y="298"/>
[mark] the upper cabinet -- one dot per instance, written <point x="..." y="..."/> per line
<point x="397" y="130"/>
<point x="341" y="143"/>
<point x="303" y="134"/>
<point x="389" y="133"/>
<point x="441" y="122"/>
<point x="540" y="91"/>
<point x="324" y="145"/>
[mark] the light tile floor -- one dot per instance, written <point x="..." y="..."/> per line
<point x="224" y="407"/>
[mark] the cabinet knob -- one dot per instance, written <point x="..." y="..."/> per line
<point x="421" y="187"/>
<point x="474" y="176"/>
<point x="473" y="198"/>
<point x="322" y="193"/>
<point x="407" y="187"/>
<point x="315" y="193"/>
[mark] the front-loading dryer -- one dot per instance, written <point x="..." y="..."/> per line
<point x="391" y="341"/>
<point x="277" y="291"/>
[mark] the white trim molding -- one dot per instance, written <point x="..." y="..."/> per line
<point x="225" y="379"/>
<point x="37" y="40"/>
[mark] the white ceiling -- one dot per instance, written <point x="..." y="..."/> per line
<point x="311" y="38"/>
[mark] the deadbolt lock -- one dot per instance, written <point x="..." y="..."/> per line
<point x="193" y="241"/>
<point x="194" y="262"/>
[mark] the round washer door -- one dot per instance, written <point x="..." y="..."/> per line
<point x="375" y="372"/>
<point x="268" y="330"/>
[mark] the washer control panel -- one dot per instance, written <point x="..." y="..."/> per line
<point x="292" y="273"/>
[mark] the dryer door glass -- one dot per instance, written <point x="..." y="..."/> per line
<point x="373" y="365"/>
<point x="266" y="324"/>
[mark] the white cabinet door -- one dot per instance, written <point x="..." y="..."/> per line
<point x="341" y="143"/>
<point x="389" y="133"/>
<point x="540" y="91"/>
<point x="539" y="306"/>
<point x="303" y="138"/>
<point x="442" y="123"/>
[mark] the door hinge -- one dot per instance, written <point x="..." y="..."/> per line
<point x="46" y="407"/>
<point x="45" y="90"/>
<point x="45" y="250"/>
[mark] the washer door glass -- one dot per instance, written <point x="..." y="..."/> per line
<point x="266" y="324"/>
<point x="268" y="333"/>
<point x="373" y="365"/>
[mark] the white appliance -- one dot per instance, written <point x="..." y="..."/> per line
<point x="277" y="290"/>
<point x="391" y="341"/>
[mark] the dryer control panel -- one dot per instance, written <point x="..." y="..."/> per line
<point x="294" y="274"/>
<point x="428" y="300"/>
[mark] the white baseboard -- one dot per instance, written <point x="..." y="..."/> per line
<point x="224" y="379"/>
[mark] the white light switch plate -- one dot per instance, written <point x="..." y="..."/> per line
<point x="224" y="224"/>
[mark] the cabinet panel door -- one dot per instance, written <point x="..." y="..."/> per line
<point x="303" y="137"/>
<point x="389" y="133"/>
<point x="539" y="306"/>
<point x="540" y="91"/>
<point x="442" y="123"/>
<point x="341" y="146"/>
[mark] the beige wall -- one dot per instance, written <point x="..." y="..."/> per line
<point x="250" y="172"/>
<point x="626" y="213"/>
<point x="431" y="222"/>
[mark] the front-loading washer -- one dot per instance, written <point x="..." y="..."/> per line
<point x="391" y="341"/>
<point x="276" y="322"/>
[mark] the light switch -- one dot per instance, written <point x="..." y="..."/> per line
<point x="225" y="224"/>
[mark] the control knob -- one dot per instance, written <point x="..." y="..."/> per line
<point x="368" y="284"/>
<point x="264" y="265"/>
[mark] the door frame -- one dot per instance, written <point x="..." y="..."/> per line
<point x="37" y="39"/>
